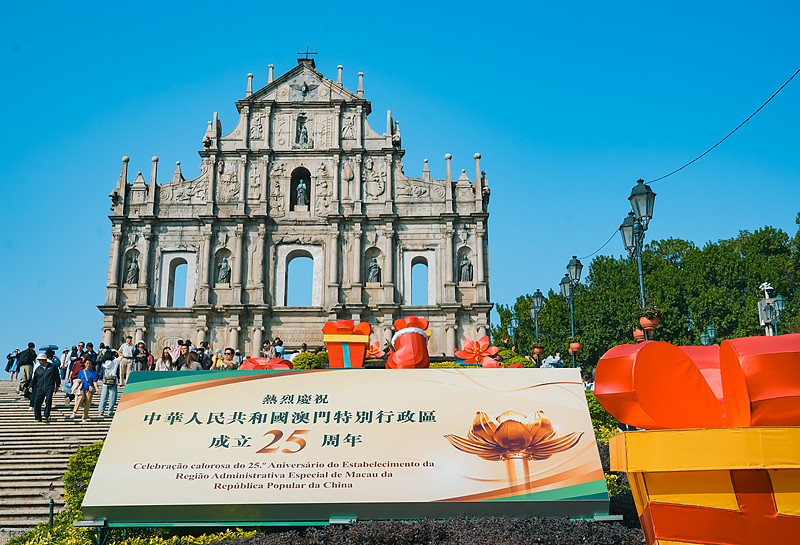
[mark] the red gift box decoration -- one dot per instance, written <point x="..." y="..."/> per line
<point x="346" y="342"/>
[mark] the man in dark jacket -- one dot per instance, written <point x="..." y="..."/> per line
<point x="25" y="367"/>
<point x="45" y="381"/>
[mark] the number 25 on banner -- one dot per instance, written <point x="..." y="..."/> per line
<point x="277" y="435"/>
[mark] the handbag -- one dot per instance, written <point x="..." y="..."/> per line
<point x="110" y="380"/>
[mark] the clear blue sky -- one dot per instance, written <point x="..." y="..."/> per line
<point x="568" y="103"/>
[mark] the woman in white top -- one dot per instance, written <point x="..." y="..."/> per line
<point x="164" y="363"/>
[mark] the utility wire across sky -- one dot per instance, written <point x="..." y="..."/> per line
<point x="702" y="155"/>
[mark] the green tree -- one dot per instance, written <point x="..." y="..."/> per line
<point x="716" y="284"/>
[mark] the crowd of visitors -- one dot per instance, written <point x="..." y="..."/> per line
<point x="82" y="372"/>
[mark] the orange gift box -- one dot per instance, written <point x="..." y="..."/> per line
<point x="720" y="486"/>
<point x="346" y="342"/>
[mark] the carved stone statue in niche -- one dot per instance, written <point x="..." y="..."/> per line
<point x="374" y="272"/>
<point x="132" y="274"/>
<point x="302" y="132"/>
<point x="224" y="272"/>
<point x="302" y="193"/>
<point x="349" y="127"/>
<point x="465" y="270"/>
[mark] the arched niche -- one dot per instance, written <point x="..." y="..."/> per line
<point x="373" y="253"/>
<point x="170" y="261"/>
<point x="298" y="174"/>
<point x="131" y="268"/>
<point x="415" y="257"/>
<point x="465" y="266"/>
<point x="285" y="254"/>
<point x="222" y="255"/>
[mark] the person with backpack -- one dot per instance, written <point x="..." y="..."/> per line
<point x="108" y="369"/>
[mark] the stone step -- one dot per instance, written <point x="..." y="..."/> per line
<point x="32" y="492"/>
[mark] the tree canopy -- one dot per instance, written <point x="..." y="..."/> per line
<point x="694" y="287"/>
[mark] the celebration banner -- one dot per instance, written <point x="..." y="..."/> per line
<point x="313" y="445"/>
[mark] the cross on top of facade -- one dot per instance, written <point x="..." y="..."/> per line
<point x="307" y="52"/>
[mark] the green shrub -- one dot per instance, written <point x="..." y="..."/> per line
<point x="79" y="473"/>
<point x="322" y="360"/>
<point x="448" y="365"/>
<point x="306" y="360"/>
<point x="614" y="486"/>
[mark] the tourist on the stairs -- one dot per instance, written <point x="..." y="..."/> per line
<point x="164" y="363"/>
<point x="25" y="367"/>
<point x="13" y="362"/>
<point x="45" y="381"/>
<point x="126" y="366"/>
<point x="87" y="378"/>
<point x="108" y="366"/>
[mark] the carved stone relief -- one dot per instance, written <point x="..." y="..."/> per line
<point x="257" y="127"/>
<point x="374" y="179"/>
<point x="349" y="127"/>
<point x="282" y="122"/>
<point x="228" y="181"/>
<point x="186" y="191"/>
<point x="303" y="91"/>
<point x="254" y="182"/>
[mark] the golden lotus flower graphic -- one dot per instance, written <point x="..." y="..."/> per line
<point x="515" y="439"/>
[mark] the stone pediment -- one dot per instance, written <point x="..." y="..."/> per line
<point x="183" y="191"/>
<point x="417" y="189"/>
<point x="302" y="84"/>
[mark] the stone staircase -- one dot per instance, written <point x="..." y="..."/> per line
<point x="34" y="456"/>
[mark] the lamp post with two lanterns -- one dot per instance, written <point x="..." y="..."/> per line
<point x="633" y="227"/>
<point x="568" y="283"/>
<point x="537" y="303"/>
<point x="770" y="309"/>
<point x="512" y="328"/>
<point x="707" y="336"/>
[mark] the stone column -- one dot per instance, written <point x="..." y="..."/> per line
<point x="205" y="269"/>
<point x="242" y="184"/>
<point x="481" y="291"/>
<point x="233" y="338"/>
<point x="267" y="129"/>
<point x="356" y="190"/>
<point x="337" y="127"/>
<point x="108" y="336"/>
<point x="236" y="291"/>
<point x="212" y="184"/>
<point x="255" y="347"/>
<point x="335" y="197"/>
<point x="259" y="264"/>
<point x="144" y="272"/>
<point x="359" y="129"/>
<point x="451" y="339"/>
<point x="246" y="116"/>
<point x="448" y="188"/>
<point x="265" y="167"/>
<point x="333" y="266"/>
<point x="113" y="268"/>
<point x="449" y="270"/>
<point x="389" y="183"/>
<point x="388" y="262"/>
<point x="357" y="258"/>
<point x="478" y="188"/>
<point x="138" y="335"/>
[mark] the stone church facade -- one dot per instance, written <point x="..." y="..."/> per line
<point x="302" y="174"/>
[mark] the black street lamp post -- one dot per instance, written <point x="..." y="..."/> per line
<point x="633" y="227"/>
<point x="770" y="309"/>
<point x="537" y="303"/>
<point x="512" y="328"/>
<point x="707" y="336"/>
<point x="568" y="283"/>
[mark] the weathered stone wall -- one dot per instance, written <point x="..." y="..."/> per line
<point x="302" y="174"/>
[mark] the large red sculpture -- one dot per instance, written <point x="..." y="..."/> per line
<point x="410" y="343"/>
